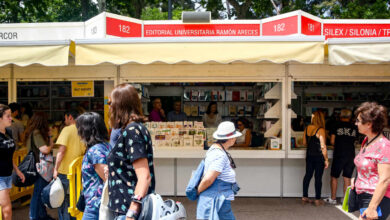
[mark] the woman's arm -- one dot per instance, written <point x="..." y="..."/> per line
<point x="380" y="191"/>
<point x="207" y="180"/>
<point x="99" y="169"/>
<point x="248" y="137"/>
<point x="17" y="171"/>
<point x="304" y="138"/>
<point x="321" y="135"/>
<point x="142" y="171"/>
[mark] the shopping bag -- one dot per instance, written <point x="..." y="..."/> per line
<point x="345" y="201"/>
<point x="45" y="167"/>
<point x="104" y="212"/>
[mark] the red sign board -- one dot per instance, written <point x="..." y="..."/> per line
<point x="310" y="26"/>
<point x="200" y="30"/>
<point x="332" y="30"/>
<point x="284" y="26"/>
<point x="121" y="28"/>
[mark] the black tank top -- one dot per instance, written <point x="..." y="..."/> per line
<point x="313" y="145"/>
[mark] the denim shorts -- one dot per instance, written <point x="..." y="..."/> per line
<point x="5" y="182"/>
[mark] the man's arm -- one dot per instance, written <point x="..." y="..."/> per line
<point x="59" y="158"/>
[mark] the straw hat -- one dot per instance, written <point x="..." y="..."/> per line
<point x="226" y="130"/>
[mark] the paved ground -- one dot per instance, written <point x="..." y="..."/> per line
<point x="251" y="209"/>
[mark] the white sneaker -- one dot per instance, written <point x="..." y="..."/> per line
<point x="330" y="201"/>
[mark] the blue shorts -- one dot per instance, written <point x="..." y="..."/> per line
<point x="5" y="182"/>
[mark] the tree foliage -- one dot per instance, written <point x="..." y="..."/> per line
<point x="16" y="11"/>
<point x="246" y="9"/>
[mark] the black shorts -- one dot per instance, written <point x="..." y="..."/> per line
<point x="344" y="164"/>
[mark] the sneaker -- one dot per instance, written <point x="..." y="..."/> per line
<point x="330" y="201"/>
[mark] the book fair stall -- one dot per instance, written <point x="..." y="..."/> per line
<point x="270" y="72"/>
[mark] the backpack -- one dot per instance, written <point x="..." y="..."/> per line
<point x="29" y="170"/>
<point x="192" y="186"/>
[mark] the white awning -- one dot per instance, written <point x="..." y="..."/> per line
<point x="200" y="50"/>
<point x="23" y="53"/>
<point x="358" y="50"/>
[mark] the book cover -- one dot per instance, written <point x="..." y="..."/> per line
<point x="240" y="110"/>
<point x="187" y="109"/>
<point x="236" y="96"/>
<point x="249" y="96"/>
<point x="194" y="110"/>
<point x="194" y="95"/>
<point x="243" y="95"/>
<point x="221" y="95"/>
<point x="232" y="110"/>
<point x="229" y="95"/>
<point x="198" y="140"/>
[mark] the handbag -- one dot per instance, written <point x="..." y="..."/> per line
<point x="45" y="167"/>
<point x="81" y="202"/>
<point x="104" y="212"/>
<point x="353" y="202"/>
<point x="28" y="168"/>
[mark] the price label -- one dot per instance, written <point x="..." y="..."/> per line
<point x="280" y="27"/>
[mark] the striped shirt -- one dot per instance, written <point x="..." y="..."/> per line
<point x="217" y="160"/>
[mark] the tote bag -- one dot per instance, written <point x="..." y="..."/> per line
<point x="104" y="212"/>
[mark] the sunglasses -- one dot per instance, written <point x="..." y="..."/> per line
<point x="358" y="121"/>
<point x="232" y="164"/>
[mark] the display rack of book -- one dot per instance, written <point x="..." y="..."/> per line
<point x="4" y="92"/>
<point x="55" y="98"/>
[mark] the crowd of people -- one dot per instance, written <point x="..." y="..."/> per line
<point x="125" y="159"/>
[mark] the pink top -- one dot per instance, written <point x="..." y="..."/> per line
<point x="367" y="165"/>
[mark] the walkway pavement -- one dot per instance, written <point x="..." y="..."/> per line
<point x="252" y="209"/>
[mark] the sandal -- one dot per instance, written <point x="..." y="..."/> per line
<point x="306" y="200"/>
<point x="318" y="202"/>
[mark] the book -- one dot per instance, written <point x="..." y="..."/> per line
<point x="240" y="110"/>
<point x="198" y="124"/>
<point x="236" y="96"/>
<point x="194" y="95"/>
<point x="194" y="110"/>
<point x="214" y="95"/>
<point x="187" y="109"/>
<point x="188" y="140"/>
<point x="243" y="95"/>
<point x="221" y="95"/>
<point x="249" y="96"/>
<point x="198" y="141"/>
<point x="229" y="95"/>
<point x="232" y="110"/>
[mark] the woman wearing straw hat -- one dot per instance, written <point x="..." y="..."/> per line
<point x="218" y="185"/>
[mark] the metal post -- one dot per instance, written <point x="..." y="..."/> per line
<point x="169" y="9"/>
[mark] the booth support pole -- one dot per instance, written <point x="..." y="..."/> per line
<point x="117" y="79"/>
<point x="12" y="90"/>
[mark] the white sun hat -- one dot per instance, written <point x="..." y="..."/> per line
<point x="226" y="130"/>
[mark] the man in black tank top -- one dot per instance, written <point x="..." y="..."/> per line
<point x="343" y="136"/>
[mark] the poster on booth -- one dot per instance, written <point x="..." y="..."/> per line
<point x="83" y="89"/>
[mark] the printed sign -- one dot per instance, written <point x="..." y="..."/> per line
<point x="201" y="30"/>
<point x="334" y="30"/>
<point x="310" y="27"/>
<point x="121" y="28"/>
<point x="83" y="89"/>
<point x="284" y="26"/>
